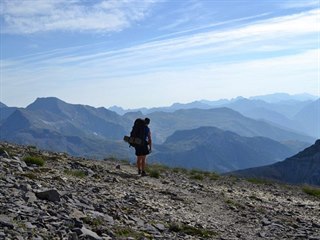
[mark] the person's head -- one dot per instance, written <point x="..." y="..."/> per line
<point x="147" y="121"/>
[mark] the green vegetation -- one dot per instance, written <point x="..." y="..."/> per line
<point x="233" y="203"/>
<point x="75" y="173"/>
<point x="155" y="170"/>
<point x="197" y="176"/>
<point x="30" y="160"/>
<point x="154" y="173"/>
<point x="125" y="232"/>
<point x="112" y="158"/>
<point x="190" y="230"/>
<point x="95" y="222"/>
<point x="32" y="147"/>
<point x="258" y="181"/>
<point x="30" y="175"/>
<point x="180" y="170"/>
<point x="52" y="158"/>
<point x="312" y="191"/>
<point x="201" y="175"/>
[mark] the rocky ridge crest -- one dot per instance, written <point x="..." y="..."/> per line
<point x="74" y="198"/>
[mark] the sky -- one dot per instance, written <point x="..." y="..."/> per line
<point x="152" y="53"/>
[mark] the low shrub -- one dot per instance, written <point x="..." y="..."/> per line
<point x="30" y="160"/>
<point x="75" y="173"/>
<point x="154" y="173"/>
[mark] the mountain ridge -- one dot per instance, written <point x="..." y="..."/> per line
<point x="302" y="168"/>
<point x="82" y="130"/>
<point x="212" y="149"/>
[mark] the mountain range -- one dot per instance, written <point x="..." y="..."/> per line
<point x="243" y="128"/>
<point x="212" y="149"/>
<point x="50" y="123"/>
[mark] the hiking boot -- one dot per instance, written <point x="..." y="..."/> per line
<point x="143" y="173"/>
<point x="139" y="171"/>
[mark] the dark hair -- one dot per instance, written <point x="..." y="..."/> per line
<point x="147" y="120"/>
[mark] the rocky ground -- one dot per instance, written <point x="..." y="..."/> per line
<point x="72" y="198"/>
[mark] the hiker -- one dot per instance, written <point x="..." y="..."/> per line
<point x="143" y="150"/>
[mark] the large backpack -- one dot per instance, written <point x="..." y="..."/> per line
<point x="137" y="134"/>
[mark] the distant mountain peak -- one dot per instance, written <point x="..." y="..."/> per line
<point x="48" y="99"/>
<point x="46" y="103"/>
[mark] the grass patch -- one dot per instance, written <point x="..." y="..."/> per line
<point x="197" y="177"/>
<point x="155" y="170"/>
<point x="311" y="191"/>
<point x="196" y="174"/>
<point x="30" y="175"/>
<point x="214" y="176"/>
<point x="154" y="173"/>
<point x="159" y="167"/>
<point x="95" y="222"/>
<point x="125" y="232"/>
<point x="258" y="181"/>
<point x="201" y="175"/>
<point x="234" y="204"/>
<point x="75" y="173"/>
<point x="30" y="160"/>
<point x="180" y="170"/>
<point x="190" y="230"/>
<point x="52" y="158"/>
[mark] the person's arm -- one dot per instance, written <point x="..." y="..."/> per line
<point x="149" y="140"/>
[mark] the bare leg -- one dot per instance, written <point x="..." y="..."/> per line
<point x="139" y="163"/>
<point x="143" y="162"/>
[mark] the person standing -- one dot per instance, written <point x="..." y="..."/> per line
<point x="142" y="151"/>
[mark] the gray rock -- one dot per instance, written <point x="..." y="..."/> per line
<point x="6" y="221"/>
<point x="29" y="225"/>
<point x="4" y="153"/>
<point x="160" y="227"/>
<point x="30" y="197"/>
<point x="88" y="234"/>
<point x="25" y="187"/>
<point x="73" y="236"/>
<point x="50" y="195"/>
<point x="150" y="229"/>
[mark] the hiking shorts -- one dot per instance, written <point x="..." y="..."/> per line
<point x="142" y="150"/>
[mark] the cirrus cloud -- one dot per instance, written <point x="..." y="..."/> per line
<point x="25" y="17"/>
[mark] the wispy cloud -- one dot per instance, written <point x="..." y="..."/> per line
<point x="274" y="35"/>
<point x="24" y="17"/>
<point x="277" y="52"/>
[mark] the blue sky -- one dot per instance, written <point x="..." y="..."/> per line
<point x="149" y="53"/>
